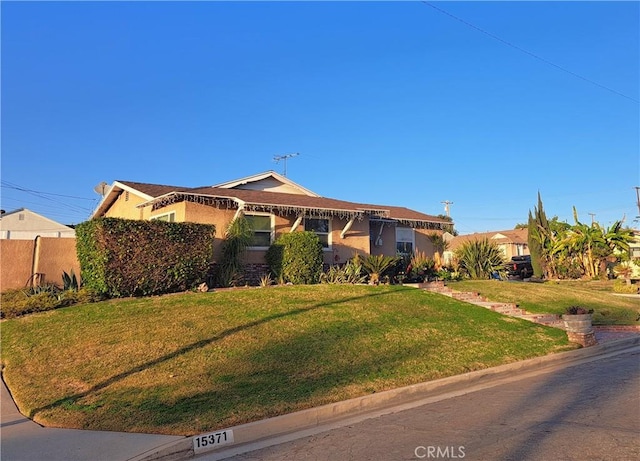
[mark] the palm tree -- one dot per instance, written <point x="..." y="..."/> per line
<point x="237" y="238"/>
<point x="617" y="240"/>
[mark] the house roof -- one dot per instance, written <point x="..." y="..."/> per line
<point x="254" y="200"/>
<point x="143" y="190"/>
<point x="517" y="236"/>
<point x="231" y="194"/>
<point x="238" y="183"/>
<point x="33" y="218"/>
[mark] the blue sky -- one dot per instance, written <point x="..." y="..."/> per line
<point x="482" y="104"/>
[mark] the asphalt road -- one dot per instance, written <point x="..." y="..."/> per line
<point x="585" y="412"/>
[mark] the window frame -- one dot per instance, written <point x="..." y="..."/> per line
<point x="412" y="241"/>
<point x="170" y="214"/>
<point x="271" y="229"/>
<point x="329" y="246"/>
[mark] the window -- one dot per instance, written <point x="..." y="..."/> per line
<point x="320" y="227"/>
<point x="262" y="229"/>
<point x="405" y="241"/>
<point x="169" y="217"/>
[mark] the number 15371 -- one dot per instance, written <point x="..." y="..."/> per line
<point x="211" y="441"/>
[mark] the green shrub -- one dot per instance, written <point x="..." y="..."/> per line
<point x="296" y="257"/>
<point x="237" y="239"/>
<point x="273" y="257"/>
<point x="122" y="257"/>
<point x="620" y="286"/>
<point x="352" y="272"/>
<point x="421" y="267"/>
<point x="20" y="302"/>
<point x="16" y="303"/>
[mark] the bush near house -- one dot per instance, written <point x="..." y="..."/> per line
<point x="121" y="257"/>
<point x="23" y="301"/>
<point x="237" y="238"/>
<point x="296" y="257"/>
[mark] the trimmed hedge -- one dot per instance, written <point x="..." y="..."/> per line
<point x="123" y="257"/>
<point x="296" y="257"/>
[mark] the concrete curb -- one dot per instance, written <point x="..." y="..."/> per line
<point x="388" y="401"/>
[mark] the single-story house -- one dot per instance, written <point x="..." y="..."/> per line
<point x="24" y="224"/>
<point x="514" y="242"/>
<point x="274" y="205"/>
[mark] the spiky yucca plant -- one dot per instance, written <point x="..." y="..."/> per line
<point x="377" y="265"/>
<point x="480" y="258"/>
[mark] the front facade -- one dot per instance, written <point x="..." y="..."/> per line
<point x="274" y="205"/>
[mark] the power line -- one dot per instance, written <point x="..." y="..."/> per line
<point x="44" y="196"/>
<point x="522" y="50"/>
<point x="22" y="189"/>
<point x="21" y="203"/>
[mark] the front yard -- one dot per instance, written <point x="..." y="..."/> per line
<point x="554" y="296"/>
<point x="196" y="362"/>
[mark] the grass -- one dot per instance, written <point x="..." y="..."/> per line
<point x="196" y="362"/>
<point x="553" y="297"/>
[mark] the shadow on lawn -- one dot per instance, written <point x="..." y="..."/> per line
<point x="272" y="383"/>
<point x="198" y="345"/>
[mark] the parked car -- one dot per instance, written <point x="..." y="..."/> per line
<point x="520" y="266"/>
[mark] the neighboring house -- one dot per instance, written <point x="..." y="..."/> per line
<point x="634" y="247"/>
<point x="274" y="205"/>
<point x="634" y="254"/>
<point x="24" y="224"/>
<point x="512" y="242"/>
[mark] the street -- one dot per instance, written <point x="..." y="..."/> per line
<point x="589" y="411"/>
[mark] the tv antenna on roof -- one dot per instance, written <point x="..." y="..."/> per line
<point x="277" y="159"/>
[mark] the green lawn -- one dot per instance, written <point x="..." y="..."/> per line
<point x="553" y="297"/>
<point x="196" y="362"/>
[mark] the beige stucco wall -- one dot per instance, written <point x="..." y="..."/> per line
<point x="55" y="256"/>
<point x="16" y="259"/>
<point x="46" y="255"/>
<point x="125" y="207"/>
<point x="357" y="239"/>
<point x="205" y="214"/>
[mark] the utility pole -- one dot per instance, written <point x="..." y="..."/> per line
<point x="592" y="216"/>
<point x="446" y="207"/>
<point x="277" y="159"/>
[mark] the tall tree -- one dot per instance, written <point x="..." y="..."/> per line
<point x="535" y="249"/>
<point x="541" y="242"/>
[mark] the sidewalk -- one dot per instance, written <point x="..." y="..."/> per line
<point x="24" y="440"/>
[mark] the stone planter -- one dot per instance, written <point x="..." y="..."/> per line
<point x="579" y="329"/>
<point x="577" y="323"/>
